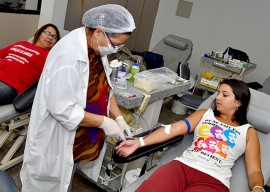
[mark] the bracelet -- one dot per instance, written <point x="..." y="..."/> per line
<point x="141" y="141"/>
<point x="257" y="186"/>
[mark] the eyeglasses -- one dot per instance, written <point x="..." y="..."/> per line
<point x="114" y="46"/>
<point x="49" y="34"/>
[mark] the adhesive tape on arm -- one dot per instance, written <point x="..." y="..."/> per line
<point x="168" y="129"/>
<point x="141" y="141"/>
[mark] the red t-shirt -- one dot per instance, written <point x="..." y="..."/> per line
<point x="21" y="64"/>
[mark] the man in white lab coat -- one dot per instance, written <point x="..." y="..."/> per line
<point x="75" y="80"/>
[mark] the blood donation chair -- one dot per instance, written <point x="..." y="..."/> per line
<point x="14" y="119"/>
<point x="176" y="52"/>
<point x="174" y="49"/>
<point x="258" y="116"/>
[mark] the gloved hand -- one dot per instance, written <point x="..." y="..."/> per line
<point x="111" y="129"/>
<point x="123" y="125"/>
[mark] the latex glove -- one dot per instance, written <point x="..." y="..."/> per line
<point x="111" y="129"/>
<point x="123" y="125"/>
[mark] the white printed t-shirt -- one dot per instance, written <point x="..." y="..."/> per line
<point x="215" y="148"/>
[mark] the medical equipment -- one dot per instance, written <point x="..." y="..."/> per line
<point x="142" y="107"/>
<point x="108" y="173"/>
<point x="135" y="128"/>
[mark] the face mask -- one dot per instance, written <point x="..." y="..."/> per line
<point x="106" y="50"/>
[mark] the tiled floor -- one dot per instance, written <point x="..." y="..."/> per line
<point x="79" y="183"/>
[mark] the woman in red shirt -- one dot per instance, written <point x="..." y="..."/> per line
<point x="21" y="63"/>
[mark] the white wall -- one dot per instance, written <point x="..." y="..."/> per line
<point x="16" y="27"/>
<point x="216" y="24"/>
<point x="53" y="11"/>
<point x="31" y="4"/>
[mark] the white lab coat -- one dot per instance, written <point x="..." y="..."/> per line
<point x="56" y="113"/>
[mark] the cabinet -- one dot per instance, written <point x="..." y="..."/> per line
<point x="220" y="70"/>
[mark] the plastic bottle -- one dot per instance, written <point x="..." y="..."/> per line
<point x="135" y="69"/>
<point x="226" y="57"/>
<point x="121" y="81"/>
<point x="220" y="56"/>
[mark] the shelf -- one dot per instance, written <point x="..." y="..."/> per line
<point x="228" y="67"/>
<point x="199" y="86"/>
<point x="221" y="70"/>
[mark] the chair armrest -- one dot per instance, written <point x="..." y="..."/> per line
<point x="24" y="101"/>
<point x="144" y="151"/>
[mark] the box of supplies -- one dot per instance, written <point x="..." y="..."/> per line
<point x="211" y="83"/>
<point x="147" y="81"/>
<point x="165" y="74"/>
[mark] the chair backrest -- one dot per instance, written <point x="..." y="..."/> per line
<point x="266" y="86"/>
<point x="174" y="50"/>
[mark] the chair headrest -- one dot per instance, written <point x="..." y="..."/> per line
<point x="258" y="112"/>
<point x="175" y="41"/>
<point x="259" y="117"/>
<point x="266" y="86"/>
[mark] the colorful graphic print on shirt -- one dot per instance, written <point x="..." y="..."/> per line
<point x="216" y="138"/>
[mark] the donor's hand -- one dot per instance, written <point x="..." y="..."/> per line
<point x="127" y="147"/>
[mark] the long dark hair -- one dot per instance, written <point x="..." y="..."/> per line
<point x="241" y="93"/>
<point x="41" y="29"/>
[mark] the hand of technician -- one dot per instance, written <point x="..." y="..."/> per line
<point x="123" y="125"/>
<point x="111" y="129"/>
